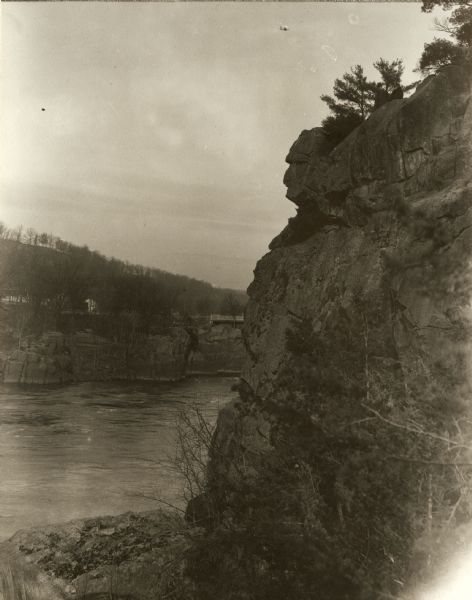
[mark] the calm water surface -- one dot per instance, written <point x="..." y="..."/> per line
<point x="93" y="448"/>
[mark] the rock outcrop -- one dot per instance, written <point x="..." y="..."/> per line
<point x="217" y="350"/>
<point x="56" y="358"/>
<point x="360" y="208"/>
<point x="125" y="556"/>
<point x="357" y="328"/>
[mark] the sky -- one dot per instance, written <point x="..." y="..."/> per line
<point x="166" y="125"/>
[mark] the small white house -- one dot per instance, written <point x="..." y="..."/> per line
<point x="91" y="306"/>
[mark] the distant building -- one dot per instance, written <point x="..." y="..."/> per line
<point x="234" y="321"/>
<point x="12" y="299"/>
<point x="12" y="296"/>
<point x="92" y="306"/>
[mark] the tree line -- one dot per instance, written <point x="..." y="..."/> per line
<point x="51" y="275"/>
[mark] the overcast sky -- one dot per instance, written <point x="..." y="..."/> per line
<point x="166" y="126"/>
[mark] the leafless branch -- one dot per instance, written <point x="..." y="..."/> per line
<point x="430" y="462"/>
<point x="443" y="26"/>
<point x="417" y="430"/>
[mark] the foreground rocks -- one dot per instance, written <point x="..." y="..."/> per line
<point x="128" y="556"/>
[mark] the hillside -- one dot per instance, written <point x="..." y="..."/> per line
<point x="65" y="275"/>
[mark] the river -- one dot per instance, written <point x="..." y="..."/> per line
<point x="94" y="448"/>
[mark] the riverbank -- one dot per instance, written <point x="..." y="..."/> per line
<point x="129" y="556"/>
<point x="84" y="356"/>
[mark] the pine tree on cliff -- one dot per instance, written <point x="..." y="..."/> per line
<point x="352" y="103"/>
<point x="355" y="97"/>
<point x="440" y="51"/>
<point x="391" y="73"/>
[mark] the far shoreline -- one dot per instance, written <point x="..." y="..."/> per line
<point x="162" y="381"/>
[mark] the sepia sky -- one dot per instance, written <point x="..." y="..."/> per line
<point x="166" y="125"/>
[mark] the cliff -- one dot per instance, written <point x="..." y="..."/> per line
<point x="55" y="357"/>
<point x="357" y="337"/>
<point x="359" y="206"/>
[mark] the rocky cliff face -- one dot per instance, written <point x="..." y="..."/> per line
<point x="83" y="356"/>
<point x="360" y="208"/>
<point x="357" y="328"/>
<point x="217" y="349"/>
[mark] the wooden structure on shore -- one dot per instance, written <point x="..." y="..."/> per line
<point x="234" y="321"/>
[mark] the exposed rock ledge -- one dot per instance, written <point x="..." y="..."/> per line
<point x="56" y="358"/>
<point x="95" y="557"/>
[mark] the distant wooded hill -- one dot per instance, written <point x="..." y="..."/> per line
<point x="45" y="272"/>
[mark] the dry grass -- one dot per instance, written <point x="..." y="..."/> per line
<point x="21" y="581"/>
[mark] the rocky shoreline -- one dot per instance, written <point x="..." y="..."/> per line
<point x="58" y="358"/>
<point x="125" y="556"/>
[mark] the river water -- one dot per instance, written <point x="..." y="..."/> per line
<point x="94" y="448"/>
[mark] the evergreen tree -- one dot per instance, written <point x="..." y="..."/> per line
<point x="441" y="52"/>
<point x="353" y="94"/>
<point x="438" y="53"/>
<point x="354" y="97"/>
<point x="391" y="73"/>
<point x="461" y="22"/>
